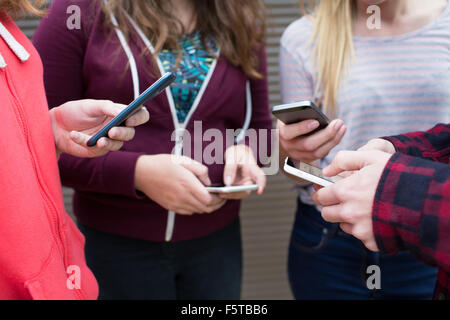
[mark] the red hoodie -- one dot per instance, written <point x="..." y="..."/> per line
<point x="41" y="250"/>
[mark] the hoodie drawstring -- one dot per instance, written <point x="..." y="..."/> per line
<point x="15" y="46"/>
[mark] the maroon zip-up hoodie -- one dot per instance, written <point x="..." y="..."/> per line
<point x="90" y="62"/>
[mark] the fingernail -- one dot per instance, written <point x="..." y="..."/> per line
<point x="313" y="124"/>
<point x="75" y="136"/>
<point x="228" y="180"/>
<point x="337" y="125"/>
<point x="103" y="143"/>
<point x="342" y="131"/>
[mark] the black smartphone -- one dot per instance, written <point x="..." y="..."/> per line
<point x="154" y="90"/>
<point x="300" y="111"/>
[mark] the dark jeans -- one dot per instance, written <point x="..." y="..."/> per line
<point x="208" y="268"/>
<point x="336" y="269"/>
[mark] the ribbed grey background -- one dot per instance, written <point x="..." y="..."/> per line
<point x="266" y="220"/>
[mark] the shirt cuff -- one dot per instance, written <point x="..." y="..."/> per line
<point x="387" y="216"/>
<point x="119" y="173"/>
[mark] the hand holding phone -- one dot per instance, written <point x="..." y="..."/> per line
<point x="309" y="172"/>
<point x="300" y="111"/>
<point x="154" y="90"/>
<point x="305" y="132"/>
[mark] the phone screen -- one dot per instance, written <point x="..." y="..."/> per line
<point x="302" y="166"/>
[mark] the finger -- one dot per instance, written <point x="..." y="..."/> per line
<point x="346" y="227"/>
<point x="121" y="133"/>
<point x="258" y="177"/>
<point x="292" y="131"/>
<point x="188" y="203"/>
<point x="332" y="214"/>
<point x="79" y="138"/>
<point x="348" y="161"/>
<point x="326" y="196"/>
<point x="103" y="144"/>
<point x="216" y="199"/>
<point x="80" y="146"/>
<point x="217" y="206"/>
<point x="198" y="169"/>
<point x="138" y="118"/>
<point x="317" y="187"/>
<point x="231" y="168"/>
<point x="200" y="205"/>
<point x="325" y="149"/>
<point x="98" y="108"/>
<point x="184" y="212"/>
<point x="371" y="245"/>
<point x="315" y="141"/>
<point x="198" y="190"/>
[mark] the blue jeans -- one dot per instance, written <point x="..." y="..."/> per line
<point x="208" y="268"/>
<point x="326" y="263"/>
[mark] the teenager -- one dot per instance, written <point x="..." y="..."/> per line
<point x="152" y="229"/>
<point x="398" y="199"/>
<point x="41" y="250"/>
<point x="372" y="82"/>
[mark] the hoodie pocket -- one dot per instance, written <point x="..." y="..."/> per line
<point x="52" y="282"/>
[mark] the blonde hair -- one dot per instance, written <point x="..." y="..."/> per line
<point x="333" y="49"/>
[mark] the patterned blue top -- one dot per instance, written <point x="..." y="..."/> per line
<point x="195" y="64"/>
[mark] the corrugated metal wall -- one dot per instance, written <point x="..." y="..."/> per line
<point x="266" y="220"/>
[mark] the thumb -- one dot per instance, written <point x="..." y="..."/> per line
<point x="349" y="161"/>
<point x="198" y="169"/>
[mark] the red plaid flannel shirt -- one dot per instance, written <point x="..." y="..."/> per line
<point x="412" y="202"/>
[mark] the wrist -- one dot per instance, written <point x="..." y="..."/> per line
<point x="143" y="166"/>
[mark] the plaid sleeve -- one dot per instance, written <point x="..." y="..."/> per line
<point x="412" y="209"/>
<point x="433" y="144"/>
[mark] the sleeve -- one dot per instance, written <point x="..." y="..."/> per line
<point x="261" y="120"/>
<point x="433" y="144"/>
<point x="296" y="82"/>
<point x="62" y="52"/>
<point x="412" y="209"/>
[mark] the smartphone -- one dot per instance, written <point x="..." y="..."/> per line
<point x="231" y="189"/>
<point x="154" y="90"/>
<point x="300" y="111"/>
<point x="308" y="172"/>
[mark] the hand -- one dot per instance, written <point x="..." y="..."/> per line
<point x="313" y="147"/>
<point x="379" y="144"/>
<point x="241" y="168"/>
<point x="374" y="144"/>
<point x="74" y="122"/>
<point x="176" y="183"/>
<point x="350" y="201"/>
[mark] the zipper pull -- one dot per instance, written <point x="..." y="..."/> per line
<point x="179" y="133"/>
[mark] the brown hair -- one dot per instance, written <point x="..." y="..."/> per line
<point x="238" y="26"/>
<point x="16" y="7"/>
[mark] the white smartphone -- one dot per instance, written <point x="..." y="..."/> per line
<point x="309" y="172"/>
<point x="232" y="189"/>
